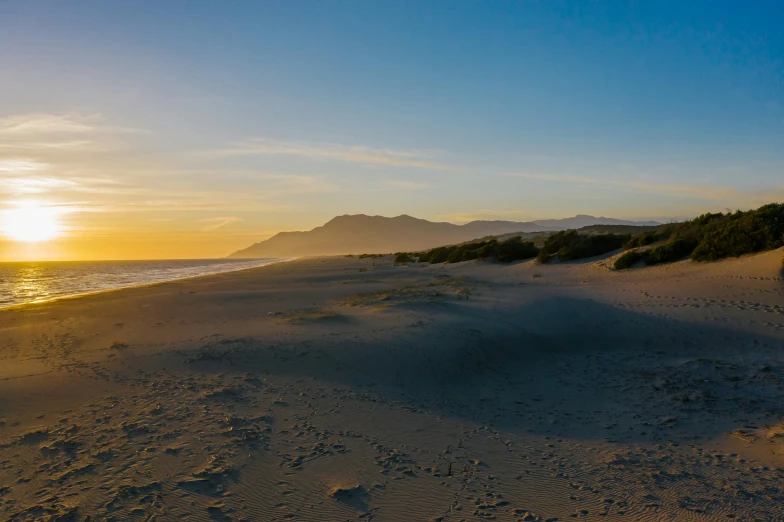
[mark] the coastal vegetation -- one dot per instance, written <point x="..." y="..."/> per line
<point x="568" y="245"/>
<point x="506" y="251"/>
<point x="710" y="237"/>
<point x="402" y="258"/>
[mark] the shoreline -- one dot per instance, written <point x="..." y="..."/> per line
<point x="134" y="286"/>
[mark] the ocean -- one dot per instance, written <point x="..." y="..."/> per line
<point x="35" y="282"/>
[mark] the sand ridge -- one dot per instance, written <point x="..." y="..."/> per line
<point x="346" y="389"/>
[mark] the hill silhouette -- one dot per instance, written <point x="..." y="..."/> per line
<point x="355" y="234"/>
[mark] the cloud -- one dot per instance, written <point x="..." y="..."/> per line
<point x="50" y="146"/>
<point x="37" y="185"/>
<point x="348" y="154"/>
<point x="20" y="165"/>
<point x="45" y="133"/>
<point x="683" y="191"/>
<point x="408" y="185"/>
<point x="554" y="177"/>
<point x="218" y="222"/>
<point x="36" y="124"/>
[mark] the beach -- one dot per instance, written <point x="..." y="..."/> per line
<point x="352" y="389"/>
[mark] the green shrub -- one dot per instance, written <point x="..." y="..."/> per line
<point x="670" y="251"/>
<point x="370" y="256"/>
<point x="628" y="260"/>
<point x="439" y="255"/>
<point x="403" y="257"/>
<point x="470" y="251"/>
<point x="514" y="249"/>
<point x="505" y="251"/>
<point x="742" y="233"/>
<point x="644" y="239"/>
<point x="569" y="245"/>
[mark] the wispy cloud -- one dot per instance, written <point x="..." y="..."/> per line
<point x="218" y="222"/>
<point x="349" y="154"/>
<point x="408" y="185"/>
<point x="20" y="165"/>
<point x="45" y="133"/>
<point x="44" y="123"/>
<point x="37" y="185"/>
<point x="683" y="191"/>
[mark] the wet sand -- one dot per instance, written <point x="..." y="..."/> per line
<point x="346" y="389"/>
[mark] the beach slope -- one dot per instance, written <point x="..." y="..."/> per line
<point x="347" y="389"/>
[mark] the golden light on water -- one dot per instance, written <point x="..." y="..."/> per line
<point x="32" y="222"/>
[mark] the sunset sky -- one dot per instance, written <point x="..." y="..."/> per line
<point x="174" y="129"/>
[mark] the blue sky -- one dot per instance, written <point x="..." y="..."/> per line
<point x="217" y="123"/>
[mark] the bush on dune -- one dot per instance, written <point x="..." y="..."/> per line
<point x="569" y="245"/>
<point x="515" y="249"/>
<point x="644" y="239"/>
<point x="469" y="251"/>
<point x="403" y="258"/>
<point x="706" y="238"/>
<point x="437" y="255"/>
<point x="628" y="260"/>
<point x="670" y="251"/>
<point x="711" y="237"/>
<point x="506" y="251"/>
<point x="742" y="233"/>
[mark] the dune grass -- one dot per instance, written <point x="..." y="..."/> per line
<point x="569" y="245"/>
<point x="506" y="251"/>
<point x="710" y="237"/>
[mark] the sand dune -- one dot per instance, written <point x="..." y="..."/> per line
<point x="343" y="389"/>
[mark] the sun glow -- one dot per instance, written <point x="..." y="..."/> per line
<point x="32" y="223"/>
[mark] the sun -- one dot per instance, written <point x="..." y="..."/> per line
<point x="31" y="222"/>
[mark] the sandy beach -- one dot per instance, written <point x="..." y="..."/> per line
<point x="345" y="389"/>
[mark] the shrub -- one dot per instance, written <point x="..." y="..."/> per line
<point x="710" y="237"/>
<point x="439" y="255"/>
<point x="555" y="242"/>
<point x="742" y="233"/>
<point x="465" y="252"/>
<point x="514" y="249"/>
<point x="570" y="245"/>
<point x="644" y="239"/>
<point x="670" y="251"/>
<point x="628" y="260"/>
<point x="505" y="251"/>
<point x="403" y="257"/>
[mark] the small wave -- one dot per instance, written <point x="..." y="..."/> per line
<point x="25" y="283"/>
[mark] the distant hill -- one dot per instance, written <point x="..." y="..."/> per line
<point x="357" y="234"/>
<point x="582" y="220"/>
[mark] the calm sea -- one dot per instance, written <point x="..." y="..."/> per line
<point x="22" y="283"/>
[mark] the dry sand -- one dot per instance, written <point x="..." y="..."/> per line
<point x="343" y="389"/>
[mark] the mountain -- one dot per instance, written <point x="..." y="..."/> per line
<point x="359" y="234"/>
<point x="581" y="220"/>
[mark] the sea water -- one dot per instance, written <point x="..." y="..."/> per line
<point x="33" y="282"/>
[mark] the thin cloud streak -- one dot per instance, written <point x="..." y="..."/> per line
<point x="349" y="154"/>
<point x="408" y="185"/>
<point x="21" y="165"/>
<point x="218" y="222"/>
<point x="43" y="123"/>
<point x="683" y="191"/>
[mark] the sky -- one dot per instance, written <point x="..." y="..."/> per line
<point x="190" y="129"/>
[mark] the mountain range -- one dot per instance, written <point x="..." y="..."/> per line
<point x="357" y="234"/>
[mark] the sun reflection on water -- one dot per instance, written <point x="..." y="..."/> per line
<point x="35" y="282"/>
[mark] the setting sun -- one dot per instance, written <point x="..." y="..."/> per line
<point x="31" y="223"/>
